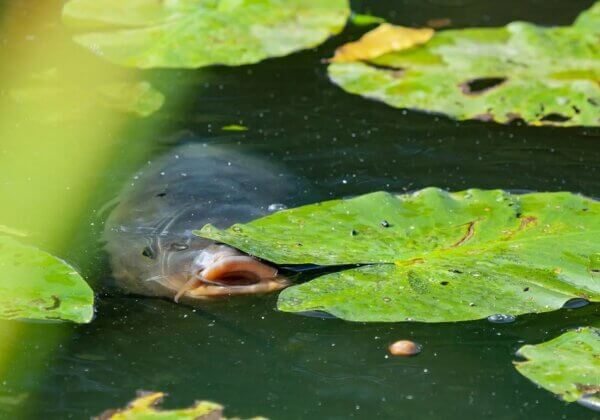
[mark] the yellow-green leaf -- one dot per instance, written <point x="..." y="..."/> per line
<point x="146" y="407"/>
<point x="381" y="40"/>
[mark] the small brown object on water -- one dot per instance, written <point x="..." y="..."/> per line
<point x="404" y="348"/>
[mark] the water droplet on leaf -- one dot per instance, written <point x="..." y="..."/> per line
<point x="276" y="207"/>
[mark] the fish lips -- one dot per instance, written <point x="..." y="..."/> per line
<point x="234" y="275"/>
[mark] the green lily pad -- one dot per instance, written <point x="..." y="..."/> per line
<point x="234" y="127"/>
<point x="37" y="285"/>
<point x="432" y="256"/>
<point x="568" y="365"/>
<point x="197" y="33"/>
<point x="543" y="75"/>
<point x="145" y="407"/>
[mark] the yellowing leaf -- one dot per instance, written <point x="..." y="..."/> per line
<point x="381" y="40"/>
<point x="145" y="407"/>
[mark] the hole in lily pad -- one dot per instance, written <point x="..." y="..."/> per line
<point x="555" y="117"/>
<point x="480" y="85"/>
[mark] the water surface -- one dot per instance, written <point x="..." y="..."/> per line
<point x="256" y="361"/>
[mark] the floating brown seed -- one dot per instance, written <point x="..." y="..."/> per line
<point x="404" y="348"/>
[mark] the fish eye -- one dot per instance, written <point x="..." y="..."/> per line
<point x="149" y="252"/>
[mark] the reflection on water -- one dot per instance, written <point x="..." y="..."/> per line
<point x="243" y="353"/>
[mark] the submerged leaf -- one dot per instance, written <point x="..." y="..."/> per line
<point x="138" y="98"/>
<point x="37" y="285"/>
<point x="545" y="76"/>
<point x="145" y="407"/>
<point x="432" y="256"/>
<point x="383" y="39"/>
<point x="41" y="97"/>
<point x="197" y="33"/>
<point x="568" y="365"/>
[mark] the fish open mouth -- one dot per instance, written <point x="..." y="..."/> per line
<point x="224" y="271"/>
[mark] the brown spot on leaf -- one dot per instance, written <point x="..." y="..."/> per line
<point x="410" y="262"/>
<point x="588" y="389"/>
<point x="55" y="303"/>
<point x="526" y="221"/>
<point x="468" y="234"/>
<point x="484" y="117"/>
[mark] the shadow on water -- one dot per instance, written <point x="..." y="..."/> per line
<point x="257" y="361"/>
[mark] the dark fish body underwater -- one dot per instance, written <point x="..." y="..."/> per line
<point x="149" y="233"/>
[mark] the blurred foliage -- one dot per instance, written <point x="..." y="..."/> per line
<point x="197" y="33"/>
<point x="56" y="153"/>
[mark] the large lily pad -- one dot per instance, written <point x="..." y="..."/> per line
<point x="37" y="285"/>
<point x="433" y="256"/>
<point x="568" y="365"/>
<point x="197" y="33"/>
<point x="545" y="76"/>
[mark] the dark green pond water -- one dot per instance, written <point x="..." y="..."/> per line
<point x="244" y="354"/>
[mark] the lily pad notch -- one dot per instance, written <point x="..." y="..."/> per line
<point x="432" y="255"/>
